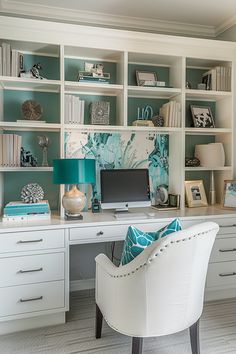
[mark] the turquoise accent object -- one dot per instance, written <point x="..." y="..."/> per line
<point x="74" y="171"/>
<point x="136" y="240"/>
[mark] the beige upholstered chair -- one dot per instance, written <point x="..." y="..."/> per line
<point x="161" y="291"/>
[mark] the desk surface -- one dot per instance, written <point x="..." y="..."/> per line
<point x="108" y="218"/>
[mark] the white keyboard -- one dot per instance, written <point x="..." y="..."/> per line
<point x="131" y="216"/>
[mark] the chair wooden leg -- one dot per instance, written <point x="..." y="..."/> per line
<point x="98" y="324"/>
<point x="194" y="338"/>
<point x="137" y="345"/>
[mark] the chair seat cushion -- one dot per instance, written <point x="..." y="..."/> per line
<point x="136" y="240"/>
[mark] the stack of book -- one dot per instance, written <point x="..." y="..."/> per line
<point x="74" y="110"/>
<point x="171" y="112"/>
<point x="10" y="150"/>
<point x="87" y="76"/>
<point x="11" y="61"/>
<point x="218" y="79"/>
<point x="19" y="212"/>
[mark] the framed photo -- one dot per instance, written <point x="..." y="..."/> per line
<point x="195" y="193"/>
<point x="202" y="117"/>
<point x="146" y="78"/>
<point x="229" y="195"/>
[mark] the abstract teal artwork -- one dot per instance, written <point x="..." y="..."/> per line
<point x="123" y="150"/>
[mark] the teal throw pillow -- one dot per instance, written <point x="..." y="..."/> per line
<point x="136" y="240"/>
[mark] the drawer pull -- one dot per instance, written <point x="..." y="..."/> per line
<point x="32" y="299"/>
<point x="30" y="270"/>
<point x="228" y="250"/>
<point x="100" y="233"/>
<point x="227" y="274"/>
<point x="233" y="225"/>
<point x="30" y="241"/>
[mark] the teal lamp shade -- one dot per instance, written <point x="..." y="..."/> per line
<point x="74" y="171"/>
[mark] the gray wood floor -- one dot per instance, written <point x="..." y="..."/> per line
<point x="217" y="329"/>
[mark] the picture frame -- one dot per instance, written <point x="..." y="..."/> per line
<point x="195" y="193"/>
<point x="146" y="78"/>
<point x="229" y="194"/>
<point x="202" y="117"/>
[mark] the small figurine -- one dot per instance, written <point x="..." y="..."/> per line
<point x="33" y="73"/>
<point x="27" y="159"/>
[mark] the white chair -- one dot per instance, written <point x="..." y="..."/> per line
<point x="161" y="291"/>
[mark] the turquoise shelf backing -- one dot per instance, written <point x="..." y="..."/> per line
<point x="50" y="65"/>
<point x="134" y="103"/>
<point x="49" y="101"/>
<point x="93" y="98"/>
<point x="30" y="142"/>
<point x="194" y="76"/>
<point x="192" y="140"/>
<point x="73" y="66"/>
<point x="188" y="117"/>
<point x="14" y="182"/>
<point x="161" y="72"/>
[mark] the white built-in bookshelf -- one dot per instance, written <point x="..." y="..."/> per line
<point x="63" y="49"/>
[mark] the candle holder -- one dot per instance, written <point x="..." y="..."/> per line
<point x="44" y="142"/>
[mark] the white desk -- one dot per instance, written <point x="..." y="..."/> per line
<point x="34" y="261"/>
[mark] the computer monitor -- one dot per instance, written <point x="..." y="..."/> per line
<point x="125" y="188"/>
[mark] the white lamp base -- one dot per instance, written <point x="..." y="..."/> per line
<point x="74" y="202"/>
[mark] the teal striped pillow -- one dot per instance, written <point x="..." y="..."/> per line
<point x="136" y="240"/>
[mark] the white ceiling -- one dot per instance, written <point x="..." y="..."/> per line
<point x="201" y="17"/>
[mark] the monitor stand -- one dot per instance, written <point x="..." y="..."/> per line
<point x="122" y="211"/>
<point x="125" y="214"/>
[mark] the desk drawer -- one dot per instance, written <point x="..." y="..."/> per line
<point x="110" y="232"/>
<point x="221" y="274"/>
<point x="227" y="226"/>
<point x="30" y="298"/>
<point x="103" y="232"/>
<point x="224" y="250"/>
<point x="31" y="269"/>
<point x="31" y="240"/>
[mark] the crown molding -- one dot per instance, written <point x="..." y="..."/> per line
<point x="230" y="22"/>
<point x="20" y="8"/>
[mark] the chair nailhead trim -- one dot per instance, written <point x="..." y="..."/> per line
<point x="159" y="254"/>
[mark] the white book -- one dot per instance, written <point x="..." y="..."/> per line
<point x="15" y="150"/>
<point x="18" y="149"/>
<point x="73" y="109"/>
<point x="11" y="150"/>
<point x="82" y="112"/>
<point x="0" y="61"/>
<point x="5" y="146"/>
<point x="70" y="109"/>
<point x="66" y="110"/>
<point x="1" y="150"/>
<point x="26" y="218"/>
<point x="77" y="110"/>
<point x="170" y="113"/>
<point x="229" y="78"/>
<point x="8" y="59"/>
<point x="4" y="59"/>
<point x="13" y="62"/>
<point x="165" y="113"/>
<point x="213" y="79"/>
<point x="218" y="81"/>
<point x="178" y="109"/>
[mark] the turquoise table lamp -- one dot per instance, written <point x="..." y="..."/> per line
<point x="73" y="172"/>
